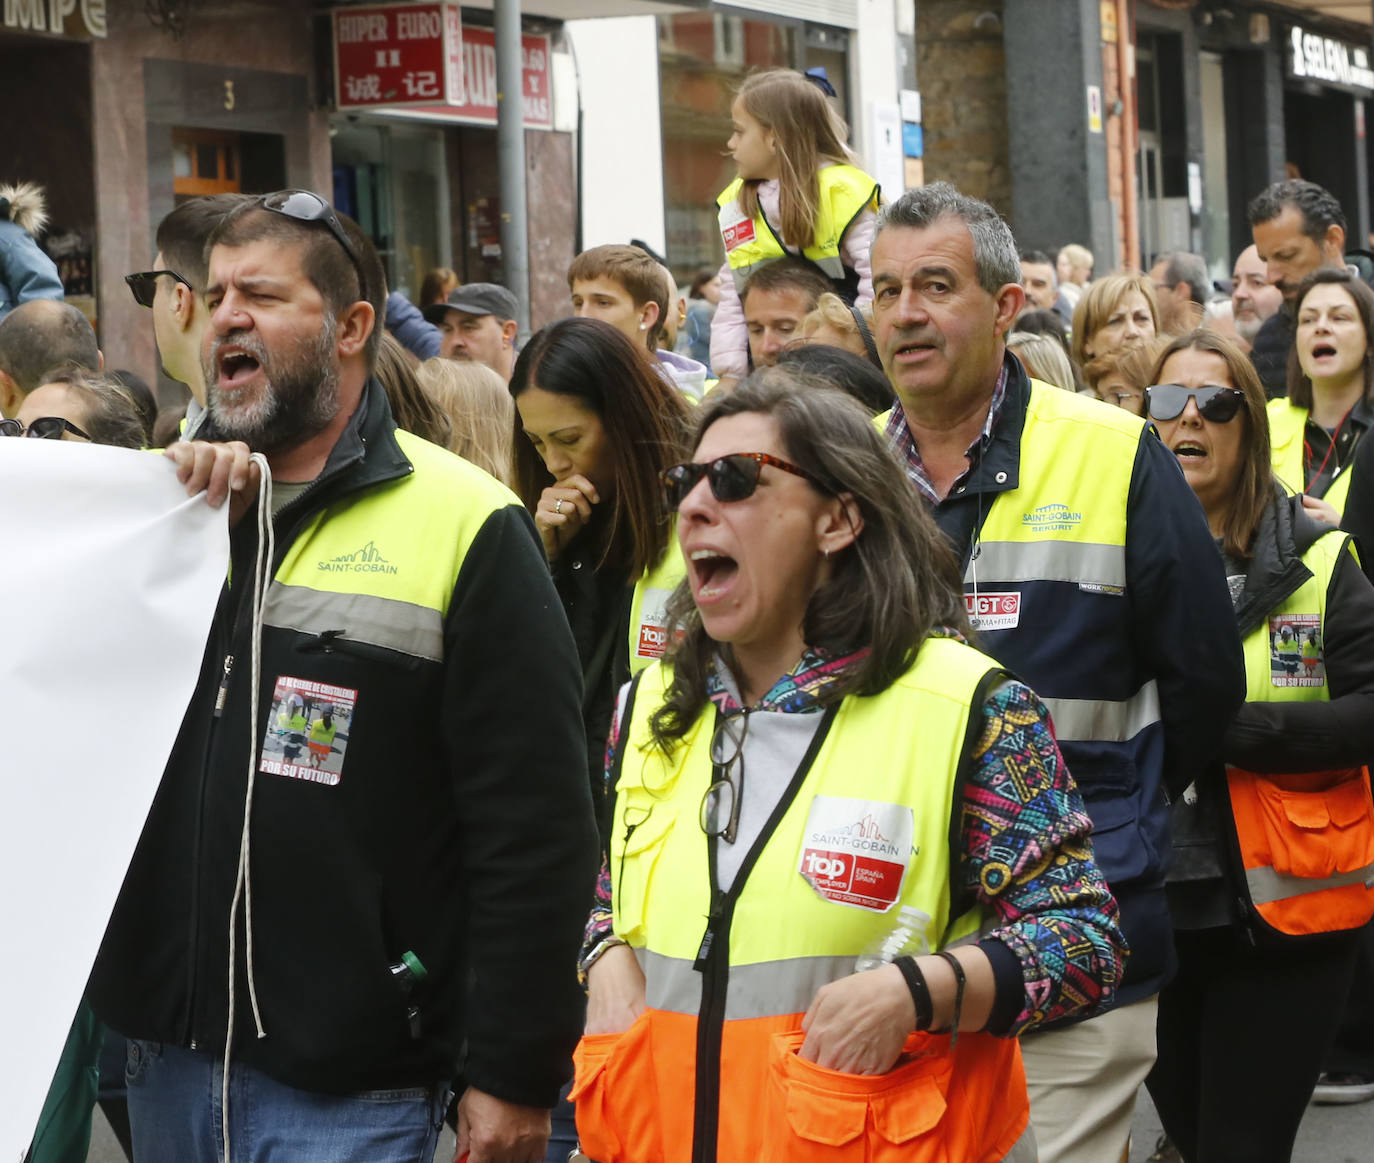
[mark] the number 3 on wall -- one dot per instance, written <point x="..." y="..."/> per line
<point x="228" y="94"/>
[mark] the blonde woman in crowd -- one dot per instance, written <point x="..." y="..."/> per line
<point x="1113" y="313"/>
<point x="836" y="324"/>
<point x="1043" y="357"/>
<point x="479" y="408"/>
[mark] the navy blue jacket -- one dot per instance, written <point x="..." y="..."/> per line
<point x="1183" y="637"/>
<point x="404" y="321"/>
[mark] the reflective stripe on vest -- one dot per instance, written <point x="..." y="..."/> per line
<point x="381" y="569"/>
<point x="1046" y="587"/>
<point x="845" y="193"/>
<point x="1287" y="422"/>
<point x="1306" y="840"/>
<point x="1105" y="720"/>
<point x="1065" y="523"/>
<point x="648" y="620"/>
<point x="729" y="974"/>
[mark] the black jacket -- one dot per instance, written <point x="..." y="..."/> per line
<point x="1269" y="352"/>
<point x="460" y="829"/>
<point x="597" y="602"/>
<point x="1279" y="737"/>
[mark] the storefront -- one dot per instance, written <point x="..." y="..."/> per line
<point x="1327" y="81"/>
<point x="1281" y="93"/>
<point x="120" y="114"/>
<point x="413" y="142"/>
<point x="45" y="67"/>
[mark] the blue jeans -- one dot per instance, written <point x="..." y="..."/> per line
<point x="176" y="1115"/>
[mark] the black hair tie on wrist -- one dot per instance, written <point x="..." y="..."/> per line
<point x="920" y="991"/>
<point x="960" y="981"/>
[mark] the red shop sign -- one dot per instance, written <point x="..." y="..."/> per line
<point x="478" y="102"/>
<point x="398" y="55"/>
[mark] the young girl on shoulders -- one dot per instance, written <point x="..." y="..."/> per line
<point x="797" y="193"/>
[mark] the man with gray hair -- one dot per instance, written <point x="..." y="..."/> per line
<point x="1089" y="572"/>
<point x="1182" y="288"/>
<point x="37" y="337"/>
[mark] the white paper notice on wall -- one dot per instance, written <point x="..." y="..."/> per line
<point x="885" y="148"/>
<point x="112" y="575"/>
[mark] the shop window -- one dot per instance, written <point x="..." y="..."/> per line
<point x="204" y="162"/>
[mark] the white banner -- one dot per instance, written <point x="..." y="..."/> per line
<point x="111" y="576"/>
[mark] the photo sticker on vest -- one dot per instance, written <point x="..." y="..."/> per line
<point x="652" y="638"/>
<point x="856" y="852"/>
<point x="307" y="730"/>
<point x="1000" y="611"/>
<point x="1296" y="657"/>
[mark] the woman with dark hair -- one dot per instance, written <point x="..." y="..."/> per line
<point x="852" y="374"/>
<point x="1272" y="858"/>
<point x="596" y="424"/>
<point x="824" y="918"/>
<point x="1330" y="403"/>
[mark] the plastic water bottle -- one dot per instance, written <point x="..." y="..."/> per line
<point x="909" y="938"/>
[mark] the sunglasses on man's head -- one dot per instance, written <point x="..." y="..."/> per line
<point x="144" y="285"/>
<point x="43" y="428"/>
<point x="304" y="206"/>
<point x="1218" y="404"/>
<point x="732" y="478"/>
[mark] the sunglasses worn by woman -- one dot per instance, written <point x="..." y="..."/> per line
<point x="815" y="576"/>
<point x="1292" y="797"/>
<point x="42" y="428"/>
<point x="1215" y="403"/>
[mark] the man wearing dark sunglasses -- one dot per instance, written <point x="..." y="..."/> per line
<point x="1089" y="571"/>
<point x="174" y="291"/>
<point x="418" y="899"/>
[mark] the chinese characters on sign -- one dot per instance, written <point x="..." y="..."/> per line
<point x="419" y="58"/>
<point x="397" y="54"/>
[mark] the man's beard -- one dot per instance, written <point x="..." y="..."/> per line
<point x="297" y="400"/>
<point x="1248" y="327"/>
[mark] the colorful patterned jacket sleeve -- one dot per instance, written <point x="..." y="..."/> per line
<point x="1028" y="858"/>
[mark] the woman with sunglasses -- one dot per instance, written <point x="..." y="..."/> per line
<point x="823" y="767"/>
<point x="1271" y="858"/>
<point x="1315" y="431"/>
<point x="74" y="404"/>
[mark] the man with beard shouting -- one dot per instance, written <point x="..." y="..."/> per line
<point x="409" y="917"/>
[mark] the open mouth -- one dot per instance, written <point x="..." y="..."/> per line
<point x="237" y="367"/>
<point x="1323" y="350"/>
<point x="712" y="573"/>
<point x="1189" y="453"/>
<point x="914" y="349"/>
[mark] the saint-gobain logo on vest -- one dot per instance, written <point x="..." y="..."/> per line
<point x="856" y="852"/>
<point x="998" y="611"/>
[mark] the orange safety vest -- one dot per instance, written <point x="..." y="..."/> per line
<point x="1306" y="841"/>
<point x="710" y="1070"/>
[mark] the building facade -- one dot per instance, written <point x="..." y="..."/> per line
<point x="1138" y="127"/>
